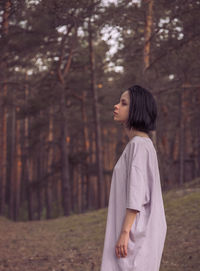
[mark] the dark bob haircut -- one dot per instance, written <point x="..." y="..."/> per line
<point x="142" y="111"/>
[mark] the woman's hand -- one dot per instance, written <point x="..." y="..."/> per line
<point x="122" y="244"/>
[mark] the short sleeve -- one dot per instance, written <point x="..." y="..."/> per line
<point x="135" y="189"/>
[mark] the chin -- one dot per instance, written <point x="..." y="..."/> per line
<point x="119" y="121"/>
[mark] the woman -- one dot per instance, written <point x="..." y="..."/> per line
<point x="136" y="224"/>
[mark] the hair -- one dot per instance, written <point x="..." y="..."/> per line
<point x="142" y="110"/>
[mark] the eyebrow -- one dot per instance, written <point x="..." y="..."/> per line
<point x="124" y="99"/>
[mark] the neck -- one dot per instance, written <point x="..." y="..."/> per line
<point x="131" y="133"/>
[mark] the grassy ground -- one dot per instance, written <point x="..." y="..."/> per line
<point x="75" y="243"/>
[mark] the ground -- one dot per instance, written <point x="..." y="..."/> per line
<point x="75" y="243"/>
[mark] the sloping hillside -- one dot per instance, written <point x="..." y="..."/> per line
<point x="75" y="243"/>
<point x="182" y="249"/>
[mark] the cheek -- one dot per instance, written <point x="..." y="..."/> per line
<point x="127" y="111"/>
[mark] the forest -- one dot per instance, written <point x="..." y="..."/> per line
<point x="63" y="66"/>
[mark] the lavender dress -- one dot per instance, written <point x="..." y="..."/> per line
<point x="136" y="185"/>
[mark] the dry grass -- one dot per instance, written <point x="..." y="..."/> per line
<point x="75" y="243"/>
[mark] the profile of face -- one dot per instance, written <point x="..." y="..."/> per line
<point x="121" y="110"/>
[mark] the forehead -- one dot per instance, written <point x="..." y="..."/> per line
<point x="125" y="95"/>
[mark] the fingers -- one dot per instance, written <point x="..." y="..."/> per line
<point x="124" y="251"/>
<point x="117" y="250"/>
<point x="121" y="251"/>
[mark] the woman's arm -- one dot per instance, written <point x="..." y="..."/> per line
<point x="122" y="243"/>
<point x="129" y="219"/>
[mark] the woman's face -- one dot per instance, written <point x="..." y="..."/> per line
<point x="121" y="110"/>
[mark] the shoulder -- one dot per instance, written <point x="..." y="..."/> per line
<point x="138" y="151"/>
<point x="136" y="145"/>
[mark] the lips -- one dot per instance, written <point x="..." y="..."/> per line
<point x="115" y="113"/>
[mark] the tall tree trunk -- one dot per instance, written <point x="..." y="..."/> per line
<point x="197" y="133"/>
<point x="101" y="194"/>
<point x="49" y="163"/>
<point x="3" y="147"/>
<point x="147" y="46"/>
<point x="87" y="149"/>
<point x="3" y="116"/>
<point x="148" y="33"/>
<point x="65" y="157"/>
<point x="65" y="139"/>
<point x="12" y="165"/>
<point x="18" y="165"/>
<point x="85" y="176"/>
<point x="40" y="160"/>
<point x="23" y="159"/>
<point x="182" y="138"/>
<point x="39" y="186"/>
<point x="29" y="164"/>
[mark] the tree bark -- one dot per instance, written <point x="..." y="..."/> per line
<point x="148" y="33"/>
<point x="98" y="141"/>
<point x="49" y="163"/>
<point x="18" y="165"/>
<point x="3" y="116"/>
<point x="182" y="137"/>
<point x="29" y="164"/>
<point x="12" y="182"/>
<point x="65" y="139"/>
<point x="65" y="157"/>
<point x="87" y="149"/>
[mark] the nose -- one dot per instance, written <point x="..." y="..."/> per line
<point x="115" y="106"/>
